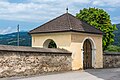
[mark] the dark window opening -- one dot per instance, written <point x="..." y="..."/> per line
<point x="52" y="44"/>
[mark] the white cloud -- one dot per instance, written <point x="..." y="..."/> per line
<point x="116" y="20"/>
<point x="7" y="30"/>
<point x="27" y="11"/>
<point x="110" y="3"/>
<point x="98" y="2"/>
<point x="37" y="10"/>
<point x="61" y="1"/>
<point x="111" y="9"/>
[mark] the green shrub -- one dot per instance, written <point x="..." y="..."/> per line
<point x="113" y="48"/>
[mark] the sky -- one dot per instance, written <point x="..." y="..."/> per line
<point x="30" y="14"/>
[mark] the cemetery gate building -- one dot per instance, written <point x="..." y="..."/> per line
<point x="74" y="35"/>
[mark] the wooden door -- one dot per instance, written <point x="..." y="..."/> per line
<point x="87" y="55"/>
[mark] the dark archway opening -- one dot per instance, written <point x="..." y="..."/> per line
<point x="87" y="54"/>
<point x="49" y="43"/>
<point x="52" y="44"/>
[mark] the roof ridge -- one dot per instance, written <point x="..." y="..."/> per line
<point x="48" y="22"/>
<point x="66" y="22"/>
<point x="87" y="23"/>
<point x="92" y="26"/>
<point x="69" y="22"/>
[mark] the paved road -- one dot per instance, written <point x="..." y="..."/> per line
<point x="91" y="74"/>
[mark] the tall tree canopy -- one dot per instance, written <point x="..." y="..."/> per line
<point x="101" y="20"/>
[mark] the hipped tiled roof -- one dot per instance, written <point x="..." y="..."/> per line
<point x="66" y="23"/>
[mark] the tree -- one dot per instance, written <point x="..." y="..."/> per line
<point x="100" y="19"/>
<point x="52" y="44"/>
<point x="113" y="48"/>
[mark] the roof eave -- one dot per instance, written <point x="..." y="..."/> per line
<point x="67" y="31"/>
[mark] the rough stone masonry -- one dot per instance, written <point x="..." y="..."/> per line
<point x="111" y="60"/>
<point x="22" y="61"/>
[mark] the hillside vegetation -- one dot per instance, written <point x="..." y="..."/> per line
<point x="25" y="40"/>
<point x="117" y="36"/>
<point x="11" y="39"/>
<point x="115" y="47"/>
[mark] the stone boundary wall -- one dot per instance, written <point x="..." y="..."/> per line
<point x="111" y="60"/>
<point x="24" y="63"/>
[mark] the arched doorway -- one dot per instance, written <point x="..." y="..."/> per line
<point x="49" y="43"/>
<point x="87" y="54"/>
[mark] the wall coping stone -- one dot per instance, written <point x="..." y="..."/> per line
<point x="111" y="53"/>
<point x="33" y="49"/>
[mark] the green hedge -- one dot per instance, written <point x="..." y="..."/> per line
<point x="113" y="48"/>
